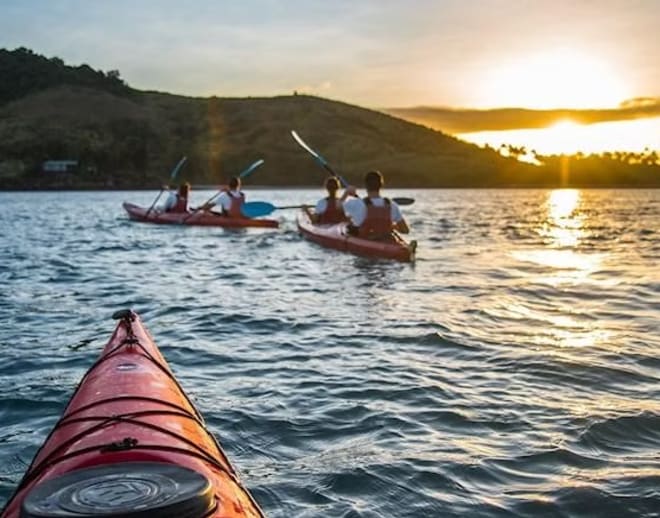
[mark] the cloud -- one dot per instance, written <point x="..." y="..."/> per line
<point x="377" y="52"/>
<point x="319" y="89"/>
<point x="455" y="121"/>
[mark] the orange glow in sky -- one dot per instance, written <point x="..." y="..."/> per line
<point x="568" y="137"/>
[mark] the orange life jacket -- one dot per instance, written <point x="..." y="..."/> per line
<point x="332" y="213"/>
<point x="378" y="221"/>
<point x="181" y="204"/>
<point x="236" y="204"/>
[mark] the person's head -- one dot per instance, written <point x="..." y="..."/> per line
<point x="373" y="181"/>
<point x="332" y="186"/>
<point x="184" y="189"/>
<point x="234" y="183"/>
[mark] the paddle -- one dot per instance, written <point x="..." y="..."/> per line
<point x="256" y="209"/>
<point x="242" y="175"/>
<point x="173" y="174"/>
<point x="324" y="163"/>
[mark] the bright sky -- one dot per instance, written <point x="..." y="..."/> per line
<point x="568" y="137"/>
<point x="374" y="53"/>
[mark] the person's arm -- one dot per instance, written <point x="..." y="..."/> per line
<point x="319" y="209"/>
<point x="349" y="191"/>
<point x="311" y="215"/>
<point x="400" y="224"/>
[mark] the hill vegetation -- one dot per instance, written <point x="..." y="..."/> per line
<point x="124" y="138"/>
<point x="25" y="72"/>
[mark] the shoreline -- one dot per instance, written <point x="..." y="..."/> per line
<point x="316" y="187"/>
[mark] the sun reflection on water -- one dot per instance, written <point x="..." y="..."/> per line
<point x="560" y="262"/>
<point x="564" y="223"/>
<point x="562" y="231"/>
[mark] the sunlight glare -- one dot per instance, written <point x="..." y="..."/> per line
<point x="563" y="225"/>
<point x="569" y="138"/>
<point x="559" y="78"/>
<point x="576" y="266"/>
<point x="562" y="203"/>
<point x="562" y="231"/>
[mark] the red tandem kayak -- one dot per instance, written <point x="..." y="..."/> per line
<point x="202" y="218"/>
<point x="130" y="444"/>
<point x="335" y="236"/>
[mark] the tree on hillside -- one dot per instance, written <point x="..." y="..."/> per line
<point x="23" y="72"/>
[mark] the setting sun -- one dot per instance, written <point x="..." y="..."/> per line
<point x="569" y="137"/>
<point x="563" y="78"/>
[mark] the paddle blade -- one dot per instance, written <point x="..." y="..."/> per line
<point x="177" y="168"/>
<point x="403" y="201"/>
<point x="302" y="144"/>
<point x="255" y="209"/>
<point x="322" y="161"/>
<point x="250" y="169"/>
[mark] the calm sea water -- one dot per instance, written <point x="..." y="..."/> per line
<point x="513" y="370"/>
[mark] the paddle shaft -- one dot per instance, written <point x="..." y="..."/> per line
<point x="243" y="174"/>
<point x="173" y="174"/>
<point x="162" y="189"/>
<point x="330" y="170"/>
<point x="324" y="163"/>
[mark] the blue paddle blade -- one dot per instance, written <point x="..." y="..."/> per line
<point x="255" y="209"/>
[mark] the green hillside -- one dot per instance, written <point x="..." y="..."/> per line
<point x="124" y="138"/>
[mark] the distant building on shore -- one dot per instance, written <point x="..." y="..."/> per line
<point x="59" y="166"/>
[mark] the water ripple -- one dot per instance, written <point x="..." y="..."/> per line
<point x="511" y="371"/>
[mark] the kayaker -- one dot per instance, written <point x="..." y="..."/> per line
<point x="232" y="199"/>
<point x="177" y="201"/>
<point x="372" y="217"/>
<point x="328" y="210"/>
<point x="170" y="199"/>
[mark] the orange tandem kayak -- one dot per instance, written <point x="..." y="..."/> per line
<point x="130" y="444"/>
<point x="199" y="218"/>
<point x="335" y="236"/>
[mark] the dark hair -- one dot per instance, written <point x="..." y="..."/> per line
<point x="373" y="180"/>
<point x="184" y="189"/>
<point x="234" y="182"/>
<point x="332" y="184"/>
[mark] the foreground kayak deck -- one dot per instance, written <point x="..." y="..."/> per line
<point x="335" y="236"/>
<point x="199" y="218"/>
<point x="130" y="443"/>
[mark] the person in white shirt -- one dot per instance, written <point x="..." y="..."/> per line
<point x="328" y="210"/>
<point x="177" y="201"/>
<point x="231" y="200"/>
<point x="372" y="217"/>
<point x="170" y="199"/>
